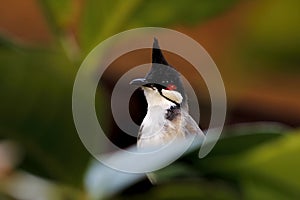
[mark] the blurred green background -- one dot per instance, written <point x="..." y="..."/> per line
<point x="255" y="44"/>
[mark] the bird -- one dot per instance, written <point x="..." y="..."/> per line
<point x="167" y="116"/>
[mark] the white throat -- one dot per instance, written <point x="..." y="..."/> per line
<point x="155" y="120"/>
<point x="154" y="98"/>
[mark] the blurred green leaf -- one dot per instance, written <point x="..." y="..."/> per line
<point x="187" y="189"/>
<point x="36" y="112"/>
<point x="221" y="172"/>
<point x="240" y="138"/>
<point x="272" y="36"/>
<point x="253" y="164"/>
<point x="103" y="19"/>
<point x="162" y="13"/>
<point x="274" y="164"/>
<point x="264" y="170"/>
<point x="61" y="17"/>
<point x="58" y="13"/>
<point x="237" y="140"/>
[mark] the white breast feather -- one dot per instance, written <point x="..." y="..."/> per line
<point x="154" y="122"/>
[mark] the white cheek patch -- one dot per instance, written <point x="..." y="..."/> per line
<point x="173" y="95"/>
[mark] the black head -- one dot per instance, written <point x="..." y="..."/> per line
<point x="162" y="75"/>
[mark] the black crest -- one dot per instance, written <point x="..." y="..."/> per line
<point x="161" y="74"/>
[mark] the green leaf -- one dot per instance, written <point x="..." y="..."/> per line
<point x="104" y="19"/>
<point x="263" y="171"/>
<point x="163" y="13"/>
<point x="274" y="164"/>
<point x="219" y="173"/>
<point x="237" y="140"/>
<point x="36" y="112"/>
<point x="58" y="13"/>
<point x="191" y="189"/>
<point x="272" y="37"/>
<point x="243" y="137"/>
<point x="62" y="18"/>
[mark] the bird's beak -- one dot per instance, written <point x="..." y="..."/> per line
<point x="138" y="82"/>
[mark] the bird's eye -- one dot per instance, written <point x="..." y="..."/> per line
<point x="171" y="87"/>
